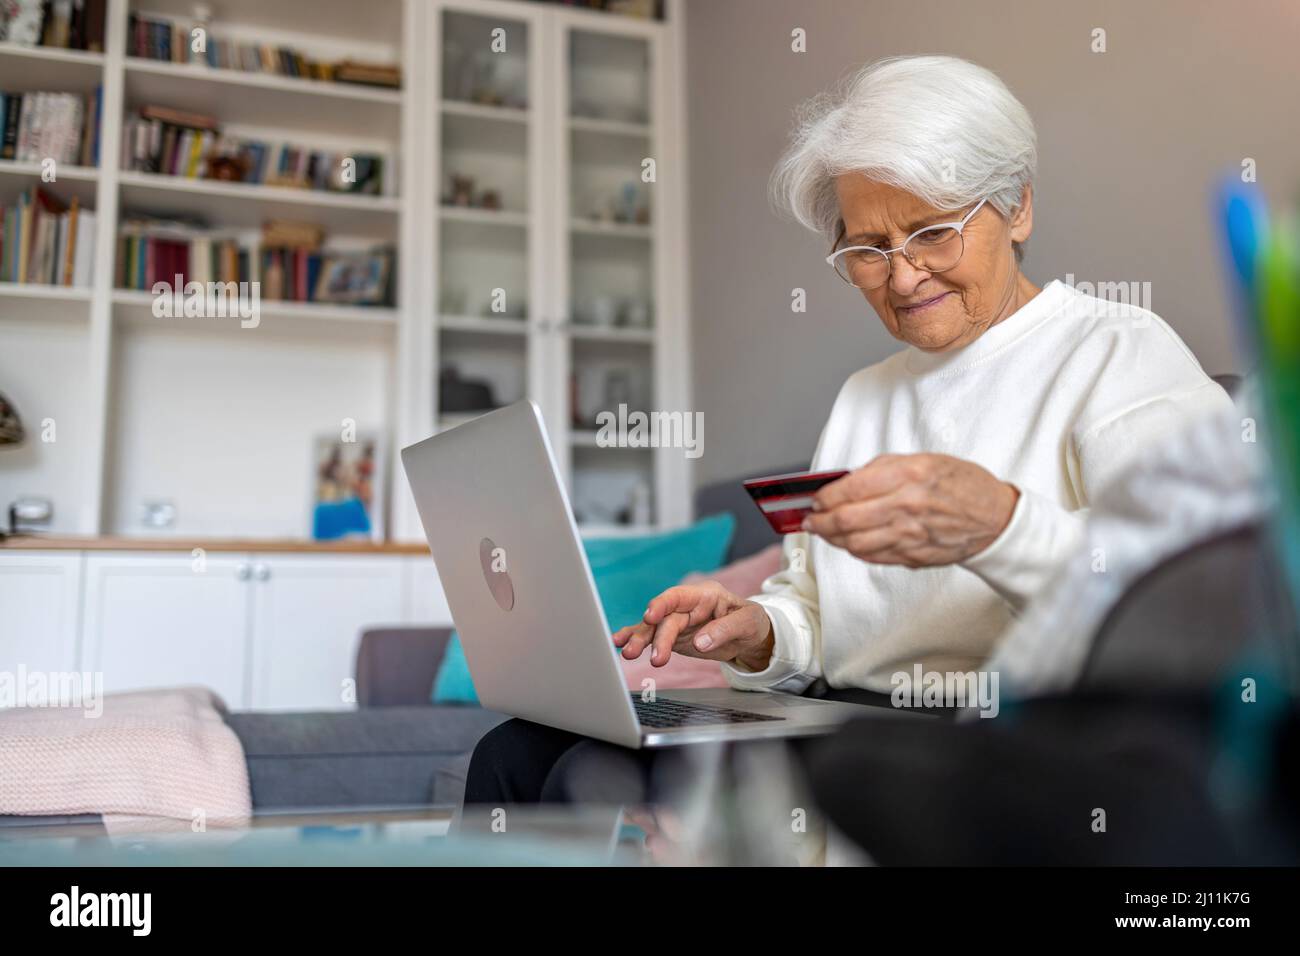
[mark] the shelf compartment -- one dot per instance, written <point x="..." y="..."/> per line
<point x="484" y="217"/>
<point x="300" y="319"/>
<point x="614" y="335"/>
<point x="608" y="273"/>
<point x="44" y="293"/>
<point x="616" y="230"/>
<point x="45" y="355"/>
<point x="476" y="257"/>
<point x="31" y="68"/>
<point x="70" y="181"/>
<point x="317" y="107"/>
<point x="207" y="408"/>
<point x="603" y="481"/>
<point x="500" y="361"/>
<point x="480" y="111"/>
<point x="475" y="74"/>
<point x="308" y="25"/>
<point x="477" y="325"/>
<point x="245" y="205"/>
<point x="606" y="127"/>
<point x="22" y="303"/>
<point x="609" y="77"/>
<point x="494" y="155"/>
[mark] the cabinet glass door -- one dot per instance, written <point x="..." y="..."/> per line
<point x="487" y="151"/>
<point x="610" y="147"/>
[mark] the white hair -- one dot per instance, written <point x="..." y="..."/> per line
<point x="939" y="127"/>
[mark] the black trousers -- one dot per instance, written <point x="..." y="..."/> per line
<point x="523" y="762"/>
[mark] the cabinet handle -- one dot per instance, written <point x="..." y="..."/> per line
<point x="261" y="571"/>
<point x="242" y="571"/>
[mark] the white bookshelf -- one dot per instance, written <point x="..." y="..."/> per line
<point x="219" y="419"/>
<point x="86" y="174"/>
<point x="46" y="293"/>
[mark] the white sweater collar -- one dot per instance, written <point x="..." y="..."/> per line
<point x="1018" y="324"/>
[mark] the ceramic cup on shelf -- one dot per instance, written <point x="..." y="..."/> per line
<point x="603" y="311"/>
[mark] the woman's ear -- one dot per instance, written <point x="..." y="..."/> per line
<point x="1022" y="217"/>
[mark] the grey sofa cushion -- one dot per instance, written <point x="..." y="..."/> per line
<point x="396" y="666"/>
<point x="386" y="756"/>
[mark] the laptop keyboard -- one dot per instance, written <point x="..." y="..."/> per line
<point x="662" y="713"/>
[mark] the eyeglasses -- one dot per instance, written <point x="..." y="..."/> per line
<point x="935" y="248"/>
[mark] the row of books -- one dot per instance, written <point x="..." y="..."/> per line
<point x="46" y="243"/>
<point x="60" y="126"/>
<point x="289" y="264"/>
<point x="156" y="38"/>
<point x="173" y="143"/>
<point x="68" y="24"/>
<point x="147" y="255"/>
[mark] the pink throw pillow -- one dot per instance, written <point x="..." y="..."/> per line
<point x="744" y="577"/>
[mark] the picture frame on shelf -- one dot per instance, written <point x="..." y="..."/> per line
<point x="355" y="278"/>
<point x="347" y="489"/>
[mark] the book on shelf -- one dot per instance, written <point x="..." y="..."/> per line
<point x="37" y="126"/>
<point x="44" y="242"/>
<point x="368" y="74"/>
<point x="169" y="41"/>
<point x="284" y="232"/>
<point x="64" y="24"/>
<point x="180" y="143"/>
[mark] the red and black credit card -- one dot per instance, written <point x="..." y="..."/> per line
<point x="786" y="500"/>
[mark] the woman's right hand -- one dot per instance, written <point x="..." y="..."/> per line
<point x="701" y="620"/>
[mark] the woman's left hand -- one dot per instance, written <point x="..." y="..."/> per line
<point x="914" y="510"/>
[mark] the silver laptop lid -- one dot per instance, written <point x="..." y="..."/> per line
<point x="516" y="576"/>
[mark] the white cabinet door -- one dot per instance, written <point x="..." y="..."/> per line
<point x="161" y="620"/>
<point x="425" y="603"/>
<point x="309" y="611"/>
<point x="40" y="608"/>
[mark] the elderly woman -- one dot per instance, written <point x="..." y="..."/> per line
<point x="972" y="452"/>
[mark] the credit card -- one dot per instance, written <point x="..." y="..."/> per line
<point x="786" y="500"/>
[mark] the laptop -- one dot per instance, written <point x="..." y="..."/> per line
<point x="522" y="596"/>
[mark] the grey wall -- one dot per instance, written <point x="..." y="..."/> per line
<point x="1129" y="142"/>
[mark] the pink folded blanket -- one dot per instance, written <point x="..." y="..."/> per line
<point x="155" y="757"/>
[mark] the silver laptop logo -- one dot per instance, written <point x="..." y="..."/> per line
<point x="496" y="573"/>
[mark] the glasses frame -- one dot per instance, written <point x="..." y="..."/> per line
<point x="958" y="226"/>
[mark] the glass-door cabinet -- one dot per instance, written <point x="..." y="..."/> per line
<point x="558" y="245"/>
<point x="489" y="219"/>
<point x="608" y="298"/>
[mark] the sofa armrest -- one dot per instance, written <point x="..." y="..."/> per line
<point x="396" y="666"/>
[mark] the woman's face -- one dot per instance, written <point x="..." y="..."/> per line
<point x="944" y="310"/>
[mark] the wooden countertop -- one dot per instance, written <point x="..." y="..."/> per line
<point x="34" y="542"/>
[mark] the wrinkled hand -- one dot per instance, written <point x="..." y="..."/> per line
<point x="915" y="510"/>
<point x="700" y="620"/>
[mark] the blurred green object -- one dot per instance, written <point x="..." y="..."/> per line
<point x="1277" y="322"/>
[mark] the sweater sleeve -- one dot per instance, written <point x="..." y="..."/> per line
<point x="1042" y="535"/>
<point x="1037" y="541"/>
<point x="790" y="599"/>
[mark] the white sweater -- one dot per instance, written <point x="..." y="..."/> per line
<point x="1054" y="399"/>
